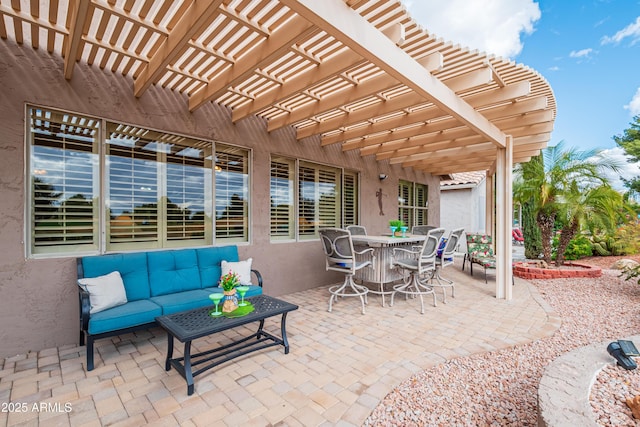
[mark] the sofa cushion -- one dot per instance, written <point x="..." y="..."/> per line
<point x="183" y="301"/>
<point x="209" y="260"/>
<point x="173" y="271"/>
<point x="485" y="261"/>
<point x="104" y="291"/>
<point x="252" y="292"/>
<point x="132" y="268"/>
<point x="131" y="314"/>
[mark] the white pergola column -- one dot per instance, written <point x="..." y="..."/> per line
<point x="504" y="220"/>
<point x="489" y="202"/>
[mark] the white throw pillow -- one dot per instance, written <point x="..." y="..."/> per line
<point x="104" y="291"/>
<point x="241" y="268"/>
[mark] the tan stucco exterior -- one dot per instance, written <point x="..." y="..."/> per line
<point x="463" y="206"/>
<point x="38" y="297"/>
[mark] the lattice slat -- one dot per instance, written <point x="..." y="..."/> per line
<point x="293" y="88"/>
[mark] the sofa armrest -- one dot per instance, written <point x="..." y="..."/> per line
<point x="258" y="276"/>
<point x="85" y="307"/>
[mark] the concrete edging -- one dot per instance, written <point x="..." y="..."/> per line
<point x="565" y="386"/>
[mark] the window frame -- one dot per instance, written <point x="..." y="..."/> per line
<point x="29" y="205"/>
<point x="409" y="212"/>
<point x="295" y="165"/>
<point x="101" y="176"/>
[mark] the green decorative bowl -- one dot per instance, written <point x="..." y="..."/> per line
<point x="241" y="311"/>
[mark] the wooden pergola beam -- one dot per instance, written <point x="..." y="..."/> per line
<point x="456" y="168"/>
<point x="495" y="113"/>
<point x="404" y="134"/>
<point x="413" y="159"/>
<point x="442" y="125"/>
<point x="469" y="154"/>
<point x="197" y="16"/>
<point x="487" y="99"/>
<point x="362" y="90"/>
<point x="423" y="148"/>
<point x="466" y="164"/>
<point x="296" y="30"/>
<point x="469" y="167"/>
<point x="79" y="16"/>
<point x="444" y="137"/>
<point x="346" y="25"/>
<point x="413" y="138"/>
<point x="303" y="81"/>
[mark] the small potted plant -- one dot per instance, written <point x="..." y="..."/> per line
<point x="396" y="225"/>
<point x="228" y="283"/>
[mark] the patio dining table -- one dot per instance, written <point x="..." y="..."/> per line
<point x="383" y="273"/>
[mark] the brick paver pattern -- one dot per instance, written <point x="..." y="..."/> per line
<point x="341" y="364"/>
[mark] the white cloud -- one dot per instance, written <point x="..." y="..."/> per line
<point x="634" y="105"/>
<point x="632" y="30"/>
<point x="584" y="53"/>
<point x="554" y="68"/>
<point x="627" y="170"/>
<point x="494" y="27"/>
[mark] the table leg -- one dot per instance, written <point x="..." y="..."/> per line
<point x="188" y="375"/>
<point x="259" y="333"/>
<point x="283" y="330"/>
<point x="167" y="363"/>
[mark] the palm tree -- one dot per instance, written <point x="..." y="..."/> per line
<point x="561" y="185"/>
<point x="598" y="206"/>
<point x="530" y="229"/>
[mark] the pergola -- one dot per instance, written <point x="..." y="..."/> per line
<point x="360" y="73"/>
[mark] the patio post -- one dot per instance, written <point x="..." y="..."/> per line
<point x="489" y="201"/>
<point x="504" y="219"/>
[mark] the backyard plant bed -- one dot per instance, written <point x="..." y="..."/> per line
<point x="535" y="270"/>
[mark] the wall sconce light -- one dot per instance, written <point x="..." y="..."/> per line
<point x="383" y="176"/>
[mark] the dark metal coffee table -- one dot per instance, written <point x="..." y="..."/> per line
<point x="187" y="326"/>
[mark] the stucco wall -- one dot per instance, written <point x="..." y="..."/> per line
<point x="38" y="297"/>
<point x="463" y="207"/>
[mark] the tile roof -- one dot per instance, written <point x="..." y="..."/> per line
<point x="464" y="178"/>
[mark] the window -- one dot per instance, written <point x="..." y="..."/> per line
<point x="232" y="194"/>
<point x="319" y="199"/>
<point x="326" y="197"/>
<point x="282" y="225"/>
<point x="413" y="203"/>
<point x="156" y="186"/>
<point x="63" y="182"/>
<point x="102" y="186"/>
<point x="350" y="198"/>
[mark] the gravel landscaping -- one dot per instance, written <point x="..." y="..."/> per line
<point x="500" y="388"/>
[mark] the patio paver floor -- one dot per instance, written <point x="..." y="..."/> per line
<point x="341" y="364"/>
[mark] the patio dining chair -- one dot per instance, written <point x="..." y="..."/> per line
<point x="422" y="229"/>
<point x="444" y="258"/>
<point x="340" y="256"/>
<point x="420" y="263"/>
<point x="357" y="230"/>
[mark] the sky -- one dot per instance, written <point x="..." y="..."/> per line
<point x="588" y="51"/>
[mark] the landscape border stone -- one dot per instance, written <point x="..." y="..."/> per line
<point x="527" y="270"/>
<point x="565" y="386"/>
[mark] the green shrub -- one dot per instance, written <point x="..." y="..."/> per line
<point x="627" y="239"/>
<point x="624" y="241"/>
<point x="632" y="273"/>
<point x="578" y="247"/>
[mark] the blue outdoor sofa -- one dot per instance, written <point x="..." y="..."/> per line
<point x="156" y="283"/>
